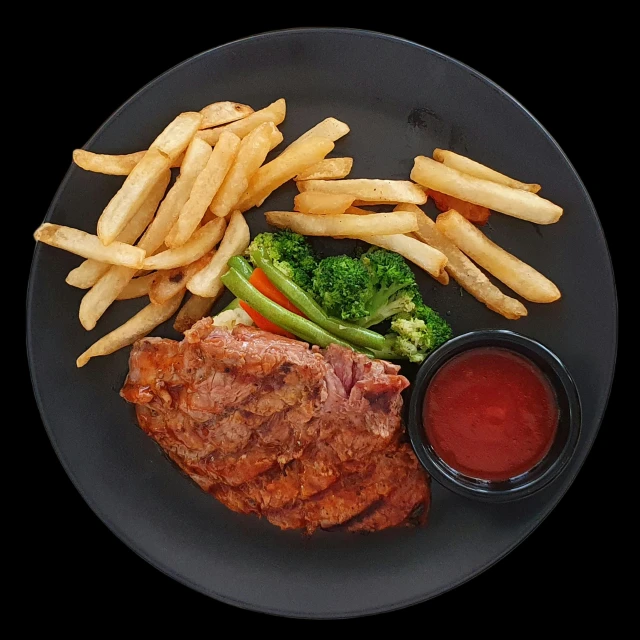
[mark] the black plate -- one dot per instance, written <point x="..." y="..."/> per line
<point x="400" y="100"/>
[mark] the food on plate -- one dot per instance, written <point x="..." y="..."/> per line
<point x="251" y="154"/>
<point x="498" y="197"/>
<point x="165" y="284"/>
<point x="194" y="309"/>
<point x="517" y="275"/>
<point x="219" y="113"/>
<point x="164" y="150"/>
<point x="466" y="165"/>
<point x="195" y="160"/>
<point x="230" y="318"/>
<point x="275" y="113"/>
<point x="114" y="165"/>
<point x="308" y="439"/>
<point x="206" y="282"/>
<point x="490" y="413"/>
<point x="90" y="271"/>
<point x="465" y="273"/>
<point x="425" y="256"/>
<point x="472" y="212"/>
<point x="327" y="169"/>
<point x="344" y="224"/>
<point x="137" y="287"/>
<point x="207" y="184"/>
<point x="369" y="191"/>
<point x="89" y="246"/>
<point x="329" y="128"/>
<point x="294" y="159"/>
<point x="133" y="329"/>
<point x="357" y="211"/>
<point x="201" y="242"/>
<point x="320" y="203"/>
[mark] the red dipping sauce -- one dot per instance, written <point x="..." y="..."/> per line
<point x="490" y="413"/>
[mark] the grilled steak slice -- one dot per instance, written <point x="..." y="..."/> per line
<point x="307" y="438"/>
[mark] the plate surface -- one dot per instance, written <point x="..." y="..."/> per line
<point x="400" y="100"/>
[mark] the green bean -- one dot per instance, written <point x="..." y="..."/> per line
<point x="241" y="265"/>
<point x="303" y="301"/>
<point x="299" y="326"/>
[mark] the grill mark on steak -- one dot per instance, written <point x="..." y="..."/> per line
<point x="307" y="438"/>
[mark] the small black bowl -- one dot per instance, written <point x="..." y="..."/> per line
<point x="563" y="445"/>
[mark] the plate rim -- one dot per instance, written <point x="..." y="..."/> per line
<point x="158" y="564"/>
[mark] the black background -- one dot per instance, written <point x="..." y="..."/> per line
<point x="83" y="74"/>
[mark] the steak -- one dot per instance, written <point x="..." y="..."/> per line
<point x="307" y="438"/>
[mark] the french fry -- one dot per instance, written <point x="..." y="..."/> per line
<point x="113" y="165"/>
<point x="195" y="160"/>
<point x="425" y="256"/>
<point x="135" y="328"/>
<point x="327" y="169"/>
<point x="102" y="295"/>
<point x="89" y="246"/>
<point x="194" y="309"/>
<point x="345" y="224"/>
<point x="329" y="128"/>
<point x="165" y="284"/>
<point x="367" y="191"/>
<point x="219" y="113"/>
<point x="251" y="154"/>
<point x="137" y="287"/>
<point x="473" y="168"/>
<point x="90" y="271"/>
<point x="206" y="282"/>
<point x="201" y="242"/>
<point x="464" y="272"/>
<point x="357" y="211"/>
<point x="288" y="164"/>
<point x="498" y="197"/>
<point x="207" y="185"/>
<point x="275" y="113"/>
<point x="317" y="202"/>
<point x="165" y="148"/>
<point x="517" y="275"/>
<point x="472" y="212"/>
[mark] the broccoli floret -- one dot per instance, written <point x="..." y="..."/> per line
<point x="288" y="251"/>
<point x="393" y="286"/>
<point x="438" y="326"/>
<point x="342" y="285"/>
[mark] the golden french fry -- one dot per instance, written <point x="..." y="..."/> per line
<point x="89" y="246"/>
<point x="177" y="134"/>
<point x="135" y="328"/>
<point x="329" y="128"/>
<point x="165" y="148"/>
<point x="275" y="113"/>
<point x="208" y="183"/>
<point x="114" y="165"/>
<point x="194" y="309"/>
<point x="195" y="160"/>
<point x="102" y="295"/>
<point x="513" y="202"/>
<point x="288" y="164"/>
<point x="166" y="284"/>
<point x="137" y="287"/>
<point x="317" y="202"/>
<point x="356" y="211"/>
<point x="473" y="168"/>
<point x="90" y="271"/>
<point x="219" y="113"/>
<point x="464" y="272"/>
<point x="206" y="282"/>
<point x="202" y="241"/>
<point x="367" y="191"/>
<point x="327" y="169"/>
<point x="517" y="275"/>
<point x="276" y="138"/>
<point x="425" y="256"/>
<point x="344" y="224"/>
<point x="251" y="154"/>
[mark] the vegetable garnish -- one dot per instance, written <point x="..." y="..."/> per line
<point x="262" y="323"/>
<point x="260" y="281"/>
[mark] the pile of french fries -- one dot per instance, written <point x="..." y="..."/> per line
<point x="159" y="243"/>
<point x="329" y="205"/>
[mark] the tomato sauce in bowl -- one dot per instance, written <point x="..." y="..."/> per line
<point x="490" y="413"/>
